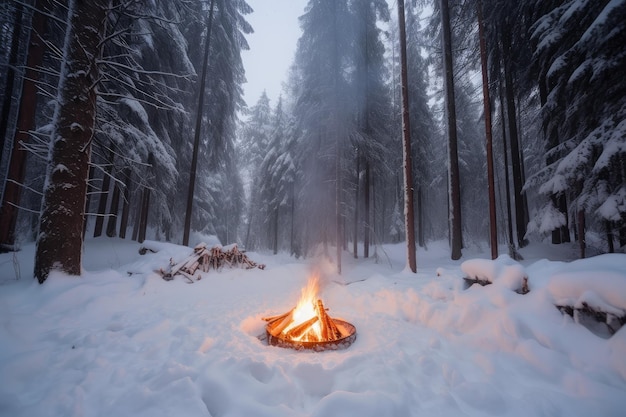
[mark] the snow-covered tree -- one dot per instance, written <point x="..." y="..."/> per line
<point x="580" y="45"/>
<point x="60" y="239"/>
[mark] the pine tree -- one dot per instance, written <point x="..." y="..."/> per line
<point x="59" y="244"/>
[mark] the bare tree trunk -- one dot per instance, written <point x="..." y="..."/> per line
<point x="126" y="204"/>
<point x="60" y="240"/>
<point x="196" y="141"/>
<point x="113" y="211"/>
<point x="520" y="215"/>
<point x="25" y="123"/>
<point x="409" y="212"/>
<point x="421" y="239"/>
<point x="355" y="243"/>
<point x="582" y="244"/>
<point x="493" y="225"/>
<point x="90" y="189"/>
<point x="103" y="198"/>
<point x="10" y="76"/>
<point x="143" y="217"/>
<point x="507" y="181"/>
<point x="275" y="243"/>
<point x="145" y="206"/>
<point x="454" y="190"/>
<point x="367" y="216"/>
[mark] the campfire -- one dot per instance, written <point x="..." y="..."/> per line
<point x="308" y="326"/>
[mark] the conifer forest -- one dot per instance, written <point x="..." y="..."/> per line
<point x="480" y="122"/>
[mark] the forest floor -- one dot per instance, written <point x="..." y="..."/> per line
<point x="121" y="341"/>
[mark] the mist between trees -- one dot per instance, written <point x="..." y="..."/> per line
<point x="100" y="111"/>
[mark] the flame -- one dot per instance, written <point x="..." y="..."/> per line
<point x="306" y="310"/>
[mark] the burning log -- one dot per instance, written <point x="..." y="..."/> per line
<point x="329" y="328"/>
<point x="308" y="325"/>
<point x="300" y="330"/>
<point x="285" y="320"/>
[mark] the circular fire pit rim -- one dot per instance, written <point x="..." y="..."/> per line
<point x="318" y="346"/>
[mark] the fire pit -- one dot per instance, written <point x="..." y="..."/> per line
<point x="308" y="326"/>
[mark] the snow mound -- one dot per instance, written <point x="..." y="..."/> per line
<point x="503" y="271"/>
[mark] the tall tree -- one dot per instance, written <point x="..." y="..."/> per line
<point x="199" y="114"/>
<point x="373" y="104"/>
<point x="60" y="239"/>
<point x="409" y="216"/>
<point x="453" y="158"/>
<point x="323" y="109"/>
<point x="25" y="123"/>
<point x="493" y="230"/>
<point x="581" y="45"/>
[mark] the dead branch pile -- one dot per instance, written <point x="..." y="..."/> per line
<point x="203" y="258"/>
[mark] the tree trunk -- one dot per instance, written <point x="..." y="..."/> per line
<point x="609" y="236"/>
<point x="493" y="225"/>
<point x="143" y="217"/>
<point x="409" y="219"/>
<point x="507" y="181"/>
<point x="90" y="190"/>
<point x="196" y="140"/>
<point x="367" y="217"/>
<point x="10" y="76"/>
<point x="103" y="198"/>
<point x="355" y="243"/>
<point x="454" y="190"/>
<point x="421" y="238"/>
<point x="60" y="240"/>
<point x="113" y="211"/>
<point x="25" y="124"/>
<point x="275" y="243"/>
<point x="126" y="204"/>
<point x="144" y="209"/>
<point x="520" y="215"/>
<point x="581" y="232"/>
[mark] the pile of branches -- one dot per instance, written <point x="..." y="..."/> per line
<point x="202" y="259"/>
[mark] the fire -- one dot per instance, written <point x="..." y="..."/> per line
<point x="305" y="310"/>
<point x="308" y="326"/>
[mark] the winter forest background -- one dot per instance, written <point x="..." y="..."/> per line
<point x="127" y="118"/>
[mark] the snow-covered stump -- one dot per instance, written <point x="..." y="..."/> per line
<point x="596" y="301"/>
<point x="503" y="269"/>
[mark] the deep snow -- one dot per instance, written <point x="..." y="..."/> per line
<point x="118" y="344"/>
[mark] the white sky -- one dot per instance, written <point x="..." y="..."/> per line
<point x="272" y="45"/>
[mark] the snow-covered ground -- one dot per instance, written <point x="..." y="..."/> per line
<point x="121" y="341"/>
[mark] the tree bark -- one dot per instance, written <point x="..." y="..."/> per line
<point x="367" y="216"/>
<point x="103" y="198"/>
<point x="520" y="224"/>
<point x="196" y="141"/>
<point x="355" y="243"/>
<point x="126" y="204"/>
<point x="60" y="239"/>
<point x="507" y="181"/>
<point x="25" y="123"/>
<point x="10" y="76"/>
<point x="454" y="190"/>
<point x="409" y="211"/>
<point x="113" y="211"/>
<point x="493" y="224"/>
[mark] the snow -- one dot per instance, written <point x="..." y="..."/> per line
<point x="121" y="341"/>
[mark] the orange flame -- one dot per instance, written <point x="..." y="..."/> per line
<point x="306" y="310"/>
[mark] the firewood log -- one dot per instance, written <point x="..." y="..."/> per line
<point x="298" y="331"/>
<point x="278" y="329"/>
<point x="271" y="319"/>
<point x="329" y="328"/>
